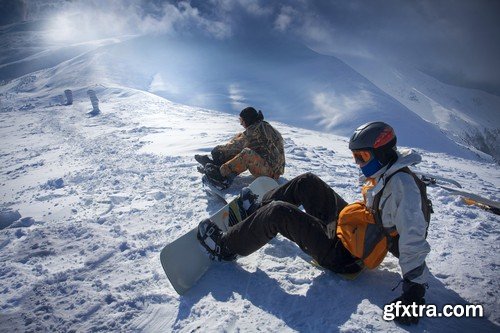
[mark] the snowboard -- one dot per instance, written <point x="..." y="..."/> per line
<point x="433" y="179"/>
<point x="185" y="260"/>
<point x="474" y="199"/>
<point x="214" y="191"/>
<point x="469" y="198"/>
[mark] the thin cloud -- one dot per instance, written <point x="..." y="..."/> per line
<point x="336" y="109"/>
<point x="285" y="18"/>
<point x="83" y="20"/>
<point x="455" y="41"/>
<point x="159" y="84"/>
<point x="236" y="96"/>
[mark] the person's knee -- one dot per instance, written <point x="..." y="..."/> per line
<point x="247" y="152"/>
<point x="310" y="178"/>
<point x="275" y="215"/>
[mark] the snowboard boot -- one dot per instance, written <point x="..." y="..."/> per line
<point x="201" y="169"/>
<point x="203" y="159"/>
<point x="210" y="237"/>
<point x="248" y="201"/>
<point x="214" y="176"/>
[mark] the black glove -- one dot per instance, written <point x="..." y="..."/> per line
<point x="331" y="230"/>
<point x="412" y="293"/>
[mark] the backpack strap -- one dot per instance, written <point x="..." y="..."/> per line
<point x="426" y="209"/>
<point x="392" y="241"/>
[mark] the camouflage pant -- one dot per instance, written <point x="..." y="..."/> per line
<point x="249" y="160"/>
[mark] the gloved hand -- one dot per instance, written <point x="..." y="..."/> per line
<point x="412" y="293"/>
<point x="331" y="229"/>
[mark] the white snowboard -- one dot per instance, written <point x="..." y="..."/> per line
<point x="185" y="260"/>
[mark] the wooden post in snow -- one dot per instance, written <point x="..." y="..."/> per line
<point x="69" y="97"/>
<point x="95" y="103"/>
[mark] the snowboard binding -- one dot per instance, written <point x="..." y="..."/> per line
<point x="248" y="201"/>
<point x="210" y="237"/>
<point x="214" y="176"/>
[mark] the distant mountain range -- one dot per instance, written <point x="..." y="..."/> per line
<point x="288" y="81"/>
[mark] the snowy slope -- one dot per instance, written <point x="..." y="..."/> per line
<point x="84" y="256"/>
<point x="288" y="81"/>
<point x="98" y="198"/>
<point x="468" y="116"/>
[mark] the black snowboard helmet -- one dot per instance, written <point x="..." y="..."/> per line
<point x="250" y="115"/>
<point x="378" y="137"/>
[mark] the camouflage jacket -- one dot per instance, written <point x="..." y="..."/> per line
<point x="263" y="139"/>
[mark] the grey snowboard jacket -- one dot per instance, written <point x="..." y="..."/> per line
<point x="400" y="207"/>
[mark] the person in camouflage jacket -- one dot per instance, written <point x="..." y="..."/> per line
<point x="259" y="149"/>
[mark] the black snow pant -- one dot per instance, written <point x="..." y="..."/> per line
<point x="309" y="230"/>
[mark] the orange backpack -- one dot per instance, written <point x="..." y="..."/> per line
<point x="361" y="235"/>
<point x="361" y="230"/>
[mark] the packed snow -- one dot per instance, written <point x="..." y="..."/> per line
<point x="87" y="204"/>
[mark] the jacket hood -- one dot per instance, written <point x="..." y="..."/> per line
<point x="406" y="157"/>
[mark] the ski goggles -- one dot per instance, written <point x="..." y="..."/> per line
<point x="361" y="157"/>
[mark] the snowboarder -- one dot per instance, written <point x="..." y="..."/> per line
<point x="341" y="237"/>
<point x="259" y="149"/>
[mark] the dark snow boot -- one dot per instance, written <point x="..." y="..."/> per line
<point x="210" y="237"/>
<point x="214" y="176"/>
<point x="203" y="159"/>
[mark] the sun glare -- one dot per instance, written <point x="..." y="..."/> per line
<point x="83" y="26"/>
<point x="61" y="29"/>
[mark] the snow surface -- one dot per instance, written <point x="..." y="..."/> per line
<point x="87" y="204"/>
